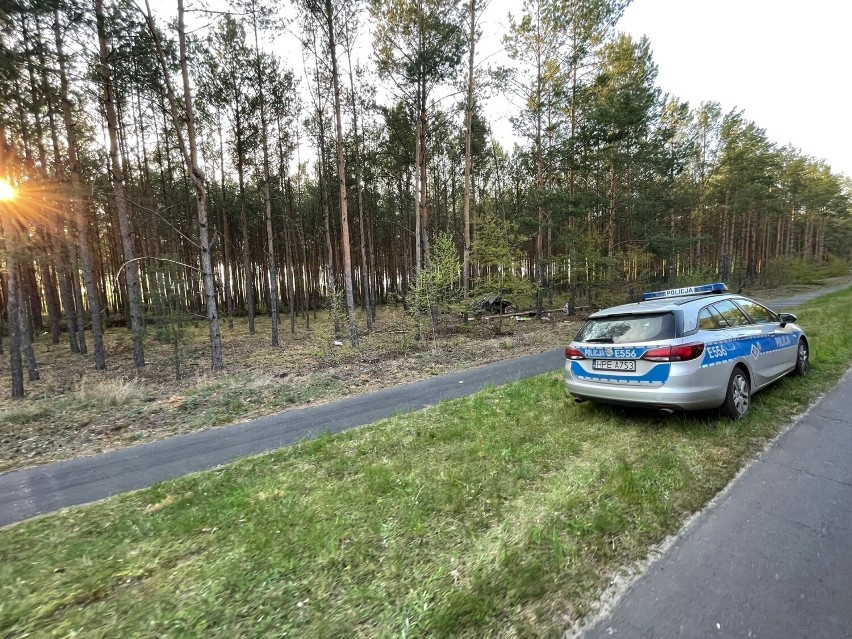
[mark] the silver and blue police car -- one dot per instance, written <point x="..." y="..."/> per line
<point x="683" y="349"/>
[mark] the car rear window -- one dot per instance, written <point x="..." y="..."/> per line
<point x="621" y="329"/>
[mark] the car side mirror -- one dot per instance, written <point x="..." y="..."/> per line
<point x="786" y="318"/>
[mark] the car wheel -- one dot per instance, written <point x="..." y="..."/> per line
<point x="738" y="398"/>
<point x="803" y="359"/>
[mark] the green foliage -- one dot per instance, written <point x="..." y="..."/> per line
<point x="496" y="243"/>
<point x="419" y="43"/>
<point x="836" y="267"/>
<point x="509" y="286"/>
<point x="702" y="276"/>
<point x="445" y="270"/>
<point x="438" y="288"/>
<point x="336" y="304"/>
<point x="781" y="272"/>
<point x="624" y="95"/>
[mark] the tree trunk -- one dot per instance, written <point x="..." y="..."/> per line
<point x="201" y="204"/>
<point x="424" y="191"/>
<point x="25" y="323"/>
<point x="341" y="178"/>
<point x="366" y="283"/>
<point x="48" y="279"/>
<point x="78" y="205"/>
<point x="75" y="306"/>
<point x="226" y="233"/>
<point x="539" y="183"/>
<point x="331" y="281"/>
<point x="55" y="227"/>
<point x="468" y="156"/>
<point x="418" y="252"/>
<point x="117" y="174"/>
<point x="267" y="201"/>
<point x="248" y="278"/>
<point x="190" y="156"/>
<point x="13" y="310"/>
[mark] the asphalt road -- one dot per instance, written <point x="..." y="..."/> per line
<point x="33" y="491"/>
<point x="772" y="558"/>
<point x="41" y="489"/>
<point x="801" y="298"/>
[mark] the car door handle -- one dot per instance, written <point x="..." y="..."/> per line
<point x="742" y="335"/>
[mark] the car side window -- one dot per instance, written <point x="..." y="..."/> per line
<point x="719" y="319"/>
<point x="731" y="313"/>
<point x="706" y="321"/>
<point x="760" y="314"/>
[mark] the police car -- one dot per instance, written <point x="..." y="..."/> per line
<point x="684" y="349"/>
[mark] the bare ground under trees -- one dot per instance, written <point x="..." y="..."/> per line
<point x="75" y="410"/>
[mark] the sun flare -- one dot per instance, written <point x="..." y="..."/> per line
<point x="7" y="191"/>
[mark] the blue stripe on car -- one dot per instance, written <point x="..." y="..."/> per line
<point x="730" y="349"/>
<point x="657" y="376"/>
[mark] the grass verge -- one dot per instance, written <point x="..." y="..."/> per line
<point x="501" y="514"/>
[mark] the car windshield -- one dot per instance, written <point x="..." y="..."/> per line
<point x="622" y="329"/>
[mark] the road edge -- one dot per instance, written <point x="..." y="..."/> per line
<point x="624" y="578"/>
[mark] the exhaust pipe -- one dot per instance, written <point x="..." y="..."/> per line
<point x="666" y="412"/>
<point x="578" y="400"/>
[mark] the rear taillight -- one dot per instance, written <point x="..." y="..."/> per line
<point x="573" y="353"/>
<point x="682" y="353"/>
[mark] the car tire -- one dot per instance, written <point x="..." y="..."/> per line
<point x="738" y="397"/>
<point x="803" y="359"/>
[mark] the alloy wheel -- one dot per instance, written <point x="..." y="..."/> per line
<point x="740" y="395"/>
<point x="804" y="359"/>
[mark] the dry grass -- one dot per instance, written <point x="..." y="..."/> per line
<point x="109" y="393"/>
<point x="74" y="410"/>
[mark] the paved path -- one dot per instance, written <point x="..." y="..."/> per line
<point x="773" y="558"/>
<point x="33" y="491"/>
<point x="801" y="298"/>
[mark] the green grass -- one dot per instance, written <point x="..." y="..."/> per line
<point x="501" y="514"/>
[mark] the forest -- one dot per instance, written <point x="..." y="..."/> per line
<point x="264" y="159"/>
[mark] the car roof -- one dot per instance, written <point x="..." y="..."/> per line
<point x="663" y="305"/>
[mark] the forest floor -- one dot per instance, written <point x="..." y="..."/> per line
<point x="74" y="410"/>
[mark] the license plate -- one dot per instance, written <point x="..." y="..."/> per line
<point x="614" y="364"/>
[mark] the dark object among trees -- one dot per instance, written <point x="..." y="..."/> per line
<point x="492" y="304"/>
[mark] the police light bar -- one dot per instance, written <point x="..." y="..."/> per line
<point x="701" y="289"/>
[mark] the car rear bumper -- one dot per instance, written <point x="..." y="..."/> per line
<point x="678" y="393"/>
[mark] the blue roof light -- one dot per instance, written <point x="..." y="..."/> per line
<point x="716" y="287"/>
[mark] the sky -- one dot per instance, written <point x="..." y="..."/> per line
<point x="785" y="63"/>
